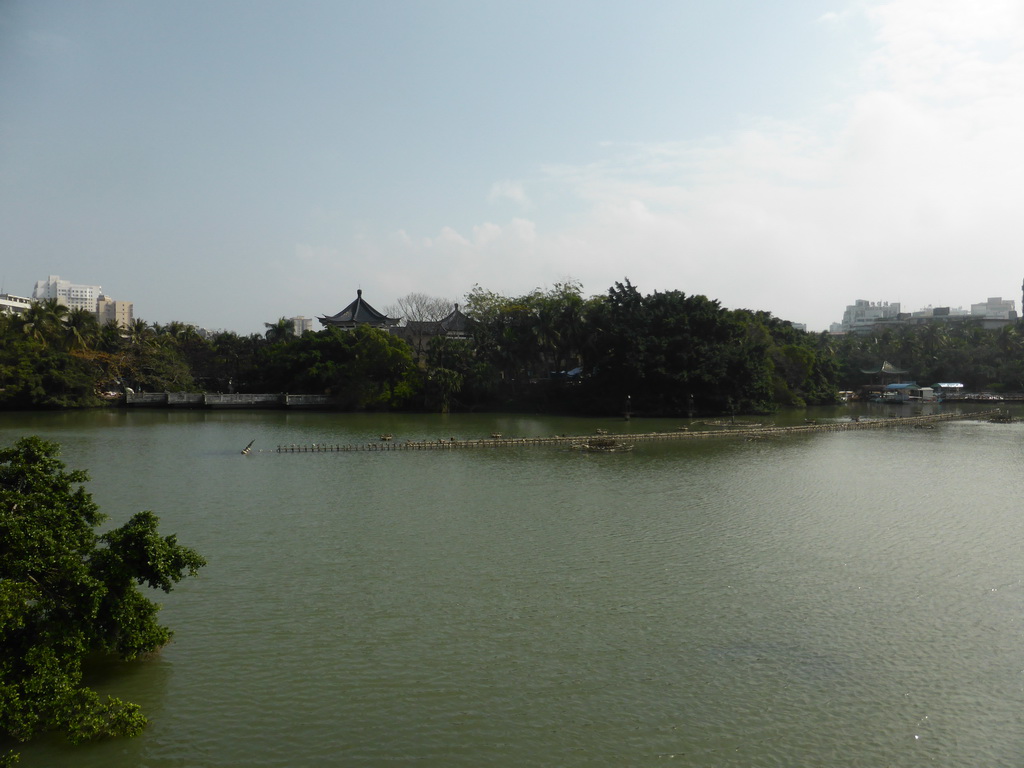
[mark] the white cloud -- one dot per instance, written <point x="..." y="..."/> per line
<point x="898" y="193"/>
<point x="509" y="190"/>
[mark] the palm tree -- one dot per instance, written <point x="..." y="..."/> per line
<point x="282" y="330"/>
<point x="138" y="333"/>
<point x="82" y="329"/>
<point x="42" y="320"/>
<point x="935" y="338"/>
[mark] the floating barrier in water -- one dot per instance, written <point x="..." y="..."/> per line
<point x="499" y="441"/>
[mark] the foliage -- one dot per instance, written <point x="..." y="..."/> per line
<point x="456" y="377"/>
<point x="669" y="352"/>
<point x="282" y="330"/>
<point x="67" y="592"/>
<point x="940" y="350"/>
<point x="53" y="358"/>
<point x="416" y="310"/>
<point x="362" y="368"/>
<point x="524" y="339"/>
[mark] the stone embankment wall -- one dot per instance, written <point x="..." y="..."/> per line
<point x="210" y="400"/>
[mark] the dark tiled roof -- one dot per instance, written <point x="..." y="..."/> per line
<point x="456" y="322"/>
<point x="358" y="312"/>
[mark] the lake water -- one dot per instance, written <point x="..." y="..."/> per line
<point x="835" y="599"/>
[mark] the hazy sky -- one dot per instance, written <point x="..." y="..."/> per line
<point x="227" y="163"/>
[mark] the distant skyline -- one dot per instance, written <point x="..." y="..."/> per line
<point x="226" y="163"/>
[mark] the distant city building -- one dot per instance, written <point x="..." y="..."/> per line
<point x="13" y="305"/>
<point x="71" y="295"/>
<point x="995" y="308"/>
<point x="359" y="312"/>
<point x="301" y="324"/>
<point x="120" y="313"/>
<point x="864" y="315"/>
<point x="940" y="312"/>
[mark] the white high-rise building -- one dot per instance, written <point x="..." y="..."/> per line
<point x="71" y="295"/>
<point x="301" y="324"/>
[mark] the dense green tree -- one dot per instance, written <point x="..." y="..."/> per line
<point x="67" y="593"/>
<point x="672" y="353"/>
<point x="364" y="368"/>
<point x="526" y="338"/>
<point x="456" y="377"/>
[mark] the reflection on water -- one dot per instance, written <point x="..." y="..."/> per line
<point x="833" y="599"/>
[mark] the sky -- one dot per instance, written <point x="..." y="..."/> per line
<point x="229" y="162"/>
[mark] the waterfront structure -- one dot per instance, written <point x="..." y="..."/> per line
<point x="13" y="305"/>
<point x="120" y="313"/>
<point x="945" y="389"/>
<point x="359" y="312"/>
<point x="71" y="295"/>
<point x="908" y="392"/>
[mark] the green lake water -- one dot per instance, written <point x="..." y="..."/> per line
<point x="834" y="599"/>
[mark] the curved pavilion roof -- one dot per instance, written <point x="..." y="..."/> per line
<point x="887" y="369"/>
<point x="359" y="312"/>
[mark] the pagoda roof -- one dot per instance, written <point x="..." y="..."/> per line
<point x="887" y="368"/>
<point x="456" y="322"/>
<point x="359" y="312"/>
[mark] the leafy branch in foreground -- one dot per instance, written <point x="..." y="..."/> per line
<point x="67" y="592"/>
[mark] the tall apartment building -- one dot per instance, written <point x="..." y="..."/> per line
<point x="71" y="295"/>
<point x="121" y="313"/>
<point x="87" y="297"/>
<point x="301" y="324"/>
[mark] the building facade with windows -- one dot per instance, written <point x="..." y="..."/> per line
<point x="13" y="305"/>
<point x="120" y="313"/>
<point x="71" y="295"/>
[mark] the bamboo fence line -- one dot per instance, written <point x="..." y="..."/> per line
<point x="681" y="434"/>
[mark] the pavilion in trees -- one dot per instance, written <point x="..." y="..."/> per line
<point x="886" y="369"/>
<point x="455" y="325"/>
<point x="359" y="312"/>
<point x="418" y="333"/>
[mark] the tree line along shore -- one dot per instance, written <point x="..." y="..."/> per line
<point x="556" y="350"/>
